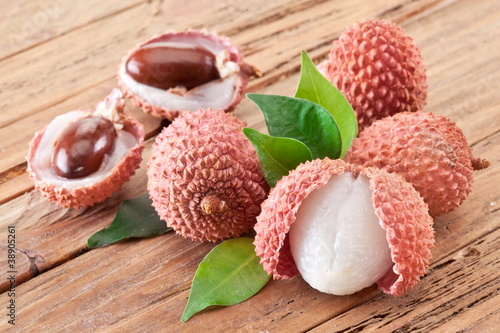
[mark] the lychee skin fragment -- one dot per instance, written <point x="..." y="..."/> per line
<point x="401" y="211"/>
<point x="204" y="176"/>
<point x="379" y="70"/>
<point x="428" y="150"/>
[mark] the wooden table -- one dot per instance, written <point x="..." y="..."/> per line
<point x="59" y="55"/>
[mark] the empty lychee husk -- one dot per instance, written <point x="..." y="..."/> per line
<point x="204" y="176"/>
<point x="400" y="210"/>
<point x="428" y="150"/>
<point x="379" y="69"/>
<point x="83" y="157"/>
<point x="184" y="71"/>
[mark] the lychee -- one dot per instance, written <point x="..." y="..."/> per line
<point x="344" y="227"/>
<point x="182" y="71"/>
<point x="428" y="150"/>
<point x="82" y="158"/>
<point x="379" y="69"/>
<point x="204" y="176"/>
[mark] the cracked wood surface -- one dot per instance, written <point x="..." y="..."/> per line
<point x="62" y="55"/>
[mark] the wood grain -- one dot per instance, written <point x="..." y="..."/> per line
<point x="27" y="24"/>
<point x="86" y="75"/>
<point x="68" y="61"/>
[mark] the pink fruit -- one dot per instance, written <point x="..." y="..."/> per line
<point x="379" y="69"/>
<point x="354" y="226"/>
<point x="428" y="150"/>
<point x="204" y="176"/>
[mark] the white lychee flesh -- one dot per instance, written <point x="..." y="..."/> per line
<point x="337" y="241"/>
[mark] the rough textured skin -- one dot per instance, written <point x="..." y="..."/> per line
<point x="379" y="70"/>
<point x="403" y="214"/>
<point x="204" y="176"/>
<point x="89" y="195"/>
<point x="160" y="112"/>
<point x="401" y="210"/>
<point x="429" y="151"/>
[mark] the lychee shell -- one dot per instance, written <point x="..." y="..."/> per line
<point x="428" y="150"/>
<point x="204" y="176"/>
<point x="85" y="196"/>
<point x="379" y="69"/>
<point x="401" y="211"/>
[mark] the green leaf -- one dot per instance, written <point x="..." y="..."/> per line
<point x="229" y="274"/>
<point x="314" y="87"/>
<point x="134" y="218"/>
<point x="302" y="120"/>
<point x="277" y="155"/>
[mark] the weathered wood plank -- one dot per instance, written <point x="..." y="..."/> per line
<point x="246" y="109"/>
<point x="461" y="56"/>
<point x="26" y="23"/>
<point x="80" y="65"/>
<point x="161" y="268"/>
<point x="78" y="71"/>
<point x="65" y="66"/>
<point x="480" y="100"/>
<point x="85" y="291"/>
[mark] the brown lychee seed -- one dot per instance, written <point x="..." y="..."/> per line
<point x="82" y="147"/>
<point x="183" y="71"/>
<point x="428" y="150"/>
<point x="204" y="176"/>
<point x="167" y="67"/>
<point x="379" y="69"/>
<point x="367" y="195"/>
<point x="82" y="158"/>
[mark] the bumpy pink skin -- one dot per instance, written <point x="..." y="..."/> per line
<point x="429" y="151"/>
<point x="201" y="158"/>
<point x="89" y="195"/>
<point x="401" y="211"/>
<point x="160" y="112"/>
<point x="379" y="70"/>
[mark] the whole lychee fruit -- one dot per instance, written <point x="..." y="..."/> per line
<point x="344" y="227"/>
<point x="428" y="150"/>
<point x="379" y="70"/>
<point x="204" y="176"/>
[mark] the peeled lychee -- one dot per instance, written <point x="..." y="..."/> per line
<point x="344" y="227"/>
<point x="82" y="158"/>
<point x="428" y="150"/>
<point x="379" y="70"/>
<point x="182" y="71"/>
<point x="204" y="176"/>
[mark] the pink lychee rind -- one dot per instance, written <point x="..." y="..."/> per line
<point x="379" y="69"/>
<point x="395" y="200"/>
<point x="161" y="112"/>
<point x="428" y="150"/>
<point x="410" y="242"/>
<point x="89" y="195"/>
<point x="205" y="154"/>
